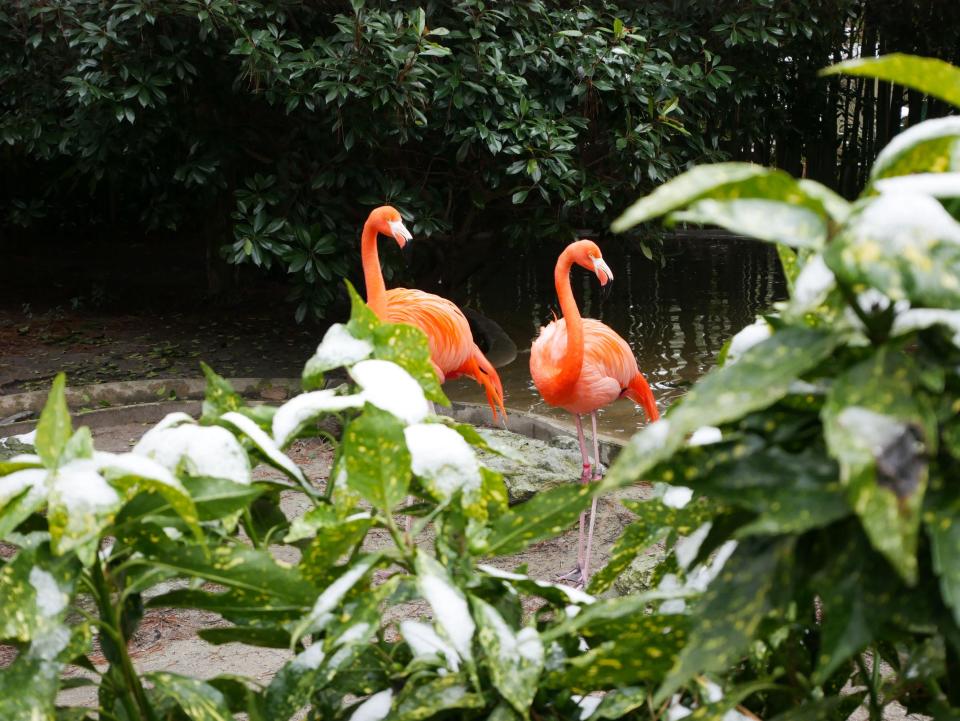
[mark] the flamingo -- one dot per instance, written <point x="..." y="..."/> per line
<point x="581" y="365"/>
<point x="452" y="350"/>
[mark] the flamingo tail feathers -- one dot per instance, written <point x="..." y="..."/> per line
<point x="639" y="392"/>
<point x="481" y="370"/>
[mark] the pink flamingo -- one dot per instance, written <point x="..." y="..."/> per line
<point x="452" y="350"/>
<point x="580" y="365"/>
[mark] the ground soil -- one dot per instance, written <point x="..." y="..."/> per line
<point x="96" y="347"/>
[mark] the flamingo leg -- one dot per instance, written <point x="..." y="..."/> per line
<point x="597" y="475"/>
<point x="576" y="574"/>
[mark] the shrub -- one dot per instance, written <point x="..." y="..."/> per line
<point x="825" y="450"/>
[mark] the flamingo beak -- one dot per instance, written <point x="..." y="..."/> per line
<point x="399" y="232"/>
<point x="604" y="274"/>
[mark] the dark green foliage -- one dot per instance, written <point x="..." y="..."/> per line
<point x="266" y="129"/>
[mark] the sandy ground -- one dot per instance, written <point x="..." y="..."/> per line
<point x="166" y="639"/>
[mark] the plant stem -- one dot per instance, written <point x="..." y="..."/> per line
<point x="876" y="710"/>
<point x="251" y="530"/>
<point x="399" y="537"/>
<point x="133" y="697"/>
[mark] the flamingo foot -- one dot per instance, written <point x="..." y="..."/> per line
<point x="574" y="576"/>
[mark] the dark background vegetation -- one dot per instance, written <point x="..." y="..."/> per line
<point x="185" y="139"/>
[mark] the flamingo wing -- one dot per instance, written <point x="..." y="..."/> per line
<point x="608" y="369"/>
<point x="446" y="327"/>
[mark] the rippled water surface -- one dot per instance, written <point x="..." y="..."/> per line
<point x="676" y="318"/>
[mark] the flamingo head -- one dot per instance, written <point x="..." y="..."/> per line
<point x="386" y="220"/>
<point x="587" y="255"/>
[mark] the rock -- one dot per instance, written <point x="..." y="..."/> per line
<point x="274" y="393"/>
<point x="530" y="466"/>
<point x="638" y="576"/>
<point x="10" y="447"/>
<point x="567" y="443"/>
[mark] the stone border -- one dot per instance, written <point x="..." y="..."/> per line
<point x="136" y="402"/>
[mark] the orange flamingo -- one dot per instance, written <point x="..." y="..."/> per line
<point x="580" y="365"/>
<point x="452" y="350"/>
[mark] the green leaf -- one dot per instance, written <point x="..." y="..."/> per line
<point x="732" y="608"/>
<point x="609" y="618"/>
<point x="791" y="491"/>
<point x="724" y="182"/>
<point x="237" y="605"/>
<point x="760" y="377"/>
<point x="35" y="590"/>
<point x="250" y="635"/>
<point x="78" y="518"/>
<point x="321" y="613"/>
<point x="346" y="637"/>
<point x="827" y="709"/>
<point x="213" y="498"/>
<point x="654" y="520"/>
<point x="620" y="702"/>
<point x="335" y="540"/>
<point x="908" y="251"/>
<point x="28" y="689"/>
<point x="877" y="432"/>
<point x="363" y="321"/>
<point x="770" y="220"/>
<point x="54" y="428"/>
<point x="79" y="445"/>
<point x="644" y="654"/>
<point x="133" y="475"/>
<point x="198" y="700"/>
<point x="632" y="541"/>
<point x="448" y="603"/>
<point x="791" y="268"/>
<point x="219" y="397"/>
<point x="375" y="456"/>
<point x="928" y="75"/>
<point x="943" y="529"/>
<point x="427" y="699"/>
<point x="546" y="515"/>
<point x="515" y="660"/>
<point x="929" y="147"/>
<point x="21" y="493"/>
<point x="407" y="346"/>
<point x="855" y="601"/>
<point x="246" y="569"/>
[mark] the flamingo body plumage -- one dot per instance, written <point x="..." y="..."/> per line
<point x="453" y="351"/>
<point x="609" y="369"/>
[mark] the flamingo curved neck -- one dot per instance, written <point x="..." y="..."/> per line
<point x="572" y="364"/>
<point x="372" y="275"/>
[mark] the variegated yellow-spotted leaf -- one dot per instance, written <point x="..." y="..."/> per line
<point x="730" y="613"/>
<point x="375" y="458"/>
<point x="54" y="427"/>
<point x="546" y="515"/>
<point x="425" y="700"/>
<point x="726" y="182"/>
<point x="770" y="220"/>
<point x="198" y="700"/>
<point x="514" y="658"/>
